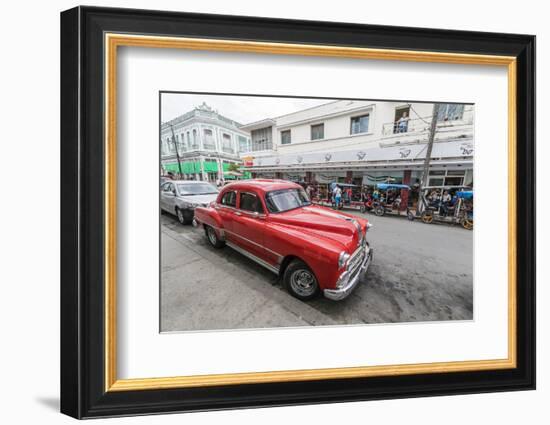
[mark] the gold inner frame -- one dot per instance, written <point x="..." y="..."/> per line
<point x="113" y="41"/>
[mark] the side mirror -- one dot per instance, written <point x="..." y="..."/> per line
<point x="174" y="192"/>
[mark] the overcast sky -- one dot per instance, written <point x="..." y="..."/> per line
<point x="243" y="109"/>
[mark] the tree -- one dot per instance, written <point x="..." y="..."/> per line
<point x="234" y="167"/>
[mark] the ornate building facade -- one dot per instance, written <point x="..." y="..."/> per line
<point x="206" y="142"/>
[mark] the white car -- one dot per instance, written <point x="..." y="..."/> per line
<point x="181" y="197"/>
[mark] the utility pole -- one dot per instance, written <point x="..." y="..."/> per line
<point x="431" y="137"/>
<point x="177" y="152"/>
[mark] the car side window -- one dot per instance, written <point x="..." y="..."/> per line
<point x="250" y="202"/>
<point x="229" y="199"/>
<point x="166" y="187"/>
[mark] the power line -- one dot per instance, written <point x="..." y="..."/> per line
<point x="417" y="114"/>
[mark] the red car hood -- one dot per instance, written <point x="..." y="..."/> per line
<point x="323" y="222"/>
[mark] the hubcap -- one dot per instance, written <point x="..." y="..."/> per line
<point x="180" y="216"/>
<point x="211" y="236"/>
<point x="303" y="282"/>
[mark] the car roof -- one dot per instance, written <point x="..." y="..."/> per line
<point x="263" y="185"/>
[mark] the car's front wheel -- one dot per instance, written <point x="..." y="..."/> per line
<point x="213" y="238"/>
<point x="300" y="281"/>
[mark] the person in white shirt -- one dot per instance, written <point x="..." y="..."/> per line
<point x="337" y="196"/>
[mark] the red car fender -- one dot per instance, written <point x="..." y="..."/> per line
<point x="210" y="217"/>
<point x="320" y="254"/>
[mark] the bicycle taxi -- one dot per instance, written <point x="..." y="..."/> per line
<point x="386" y="199"/>
<point x="452" y="204"/>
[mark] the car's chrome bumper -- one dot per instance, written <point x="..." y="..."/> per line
<point x="353" y="280"/>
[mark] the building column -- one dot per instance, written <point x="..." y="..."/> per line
<point x="405" y="193"/>
<point x="220" y="169"/>
<point x="203" y="174"/>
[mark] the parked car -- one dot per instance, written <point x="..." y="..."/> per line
<point x="164" y="179"/>
<point x="181" y="197"/>
<point x="314" y="249"/>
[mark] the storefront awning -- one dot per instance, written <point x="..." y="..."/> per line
<point x="412" y="153"/>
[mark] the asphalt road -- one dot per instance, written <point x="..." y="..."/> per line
<point x="420" y="272"/>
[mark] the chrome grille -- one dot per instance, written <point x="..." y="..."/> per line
<point x="356" y="259"/>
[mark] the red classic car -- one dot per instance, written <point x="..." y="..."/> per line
<point x="273" y="222"/>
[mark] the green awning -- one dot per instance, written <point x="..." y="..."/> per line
<point x="192" y="167"/>
<point x="187" y="167"/>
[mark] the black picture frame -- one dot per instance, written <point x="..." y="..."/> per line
<point x="83" y="392"/>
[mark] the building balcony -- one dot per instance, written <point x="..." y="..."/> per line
<point x="420" y="125"/>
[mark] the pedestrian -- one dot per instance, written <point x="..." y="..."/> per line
<point x="348" y="194"/>
<point x="309" y="191"/>
<point x="337" y="196"/>
<point x="403" y="123"/>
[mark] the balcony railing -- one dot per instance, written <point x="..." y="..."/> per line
<point x="422" y="124"/>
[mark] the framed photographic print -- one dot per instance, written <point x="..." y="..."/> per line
<point x="262" y="212"/>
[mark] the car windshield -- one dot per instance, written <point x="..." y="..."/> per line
<point x="196" y="189"/>
<point x="286" y="199"/>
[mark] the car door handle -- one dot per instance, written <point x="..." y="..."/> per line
<point x="238" y="213"/>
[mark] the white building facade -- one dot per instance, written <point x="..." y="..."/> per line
<point x="364" y="142"/>
<point x="207" y="143"/>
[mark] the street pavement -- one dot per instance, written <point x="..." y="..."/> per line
<point x="420" y="272"/>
